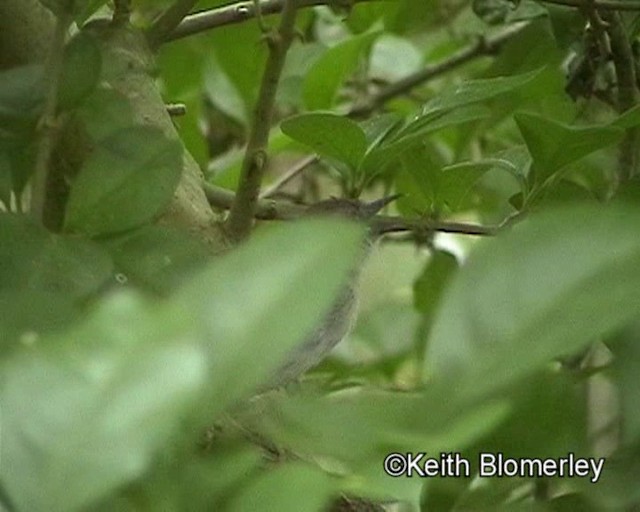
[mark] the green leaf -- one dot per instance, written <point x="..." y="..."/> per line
<point x="60" y="7"/>
<point x="80" y="71"/>
<point x="128" y="180"/>
<point x="553" y="145"/>
<point x="544" y="290"/>
<point x="329" y="135"/>
<point x="413" y="134"/>
<point x="85" y="413"/>
<point x="430" y="285"/>
<point x="32" y="258"/>
<point x="476" y="91"/>
<point x="289" y="292"/>
<point x="28" y="315"/>
<point x="105" y="112"/>
<point x="456" y="180"/>
<point x="327" y="74"/>
<point x="387" y="422"/>
<point x="628" y="119"/>
<point x="157" y="258"/>
<point x="295" y="487"/>
<point x="21" y="94"/>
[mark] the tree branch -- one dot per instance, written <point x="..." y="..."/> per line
<point x="168" y="21"/>
<point x="121" y="11"/>
<point x="255" y="158"/>
<point x="270" y="209"/>
<point x="611" y="5"/>
<point x="234" y="13"/>
<point x="627" y="97"/>
<point x="298" y="168"/>
<point x="47" y="123"/>
<point x="482" y="47"/>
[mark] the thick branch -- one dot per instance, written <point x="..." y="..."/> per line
<point x="255" y="158"/>
<point x="168" y="21"/>
<point x="488" y="46"/>
<point x="234" y="13"/>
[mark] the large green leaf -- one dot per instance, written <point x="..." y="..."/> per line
<point x="22" y="93"/>
<point x="31" y="258"/>
<point x="157" y="258"/>
<point x="476" y="91"/>
<point x="80" y="71"/>
<point x="553" y="145"/>
<point x="546" y="289"/>
<point x="86" y="412"/>
<point x="308" y="489"/>
<point x="126" y="182"/>
<point x="330" y="135"/>
<point x="327" y="74"/>
<point x="283" y="292"/>
<point x="27" y="315"/>
<point x="431" y="421"/>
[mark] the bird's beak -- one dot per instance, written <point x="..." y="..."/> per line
<point x="370" y="209"/>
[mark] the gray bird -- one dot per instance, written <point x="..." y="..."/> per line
<point x="337" y="323"/>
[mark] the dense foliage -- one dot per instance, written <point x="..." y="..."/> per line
<point x="499" y="314"/>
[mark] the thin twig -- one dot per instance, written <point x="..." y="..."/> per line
<point x="47" y="124"/>
<point x="289" y="175"/>
<point x="266" y="209"/>
<point x="611" y="5"/>
<point x="167" y="22"/>
<point x="482" y="47"/>
<point x="255" y="158"/>
<point x="270" y="209"/>
<point x="234" y="13"/>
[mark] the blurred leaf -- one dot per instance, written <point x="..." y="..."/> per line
<point x="129" y="179"/>
<point x="294" y="487"/>
<point x="548" y="420"/>
<point x="330" y="135"/>
<point x="105" y="112"/>
<point x="290" y="290"/>
<point x="431" y="422"/>
<point x="222" y="92"/>
<point x="626" y="362"/>
<point x="327" y="74"/>
<point x="554" y="145"/>
<point x="393" y="58"/>
<point x="158" y="258"/>
<point x="34" y="259"/>
<point x="21" y="93"/>
<point x="28" y="315"/>
<point x="86" y="412"/>
<point x="86" y="9"/>
<point x="80" y="70"/>
<point x="430" y="285"/>
<point x="543" y="290"/>
<point x="628" y="119"/>
<point x="86" y="415"/>
<point x="60" y="7"/>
